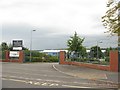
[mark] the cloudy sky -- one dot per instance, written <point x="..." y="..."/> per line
<point x="54" y="21"/>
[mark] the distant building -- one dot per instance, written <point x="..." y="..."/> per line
<point x="52" y="52"/>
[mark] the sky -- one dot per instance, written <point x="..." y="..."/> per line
<point x="54" y="21"/>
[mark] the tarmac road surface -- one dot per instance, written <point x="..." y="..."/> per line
<point x="43" y="75"/>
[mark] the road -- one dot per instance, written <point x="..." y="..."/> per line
<point x="41" y="75"/>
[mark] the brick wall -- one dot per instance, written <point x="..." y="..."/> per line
<point x="112" y="67"/>
<point x="19" y="60"/>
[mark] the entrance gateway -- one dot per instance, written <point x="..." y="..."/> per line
<point x="17" y="45"/>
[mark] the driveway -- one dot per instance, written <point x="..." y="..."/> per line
<point x="44" y="75"/>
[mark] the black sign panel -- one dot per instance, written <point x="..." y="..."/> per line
<point x="17" y="43"/>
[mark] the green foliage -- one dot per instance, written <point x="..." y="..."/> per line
<point x="83" y="52"/>
<point x="4" y="46"/>
<point x="107" y="59"/>
<point x="53" y="59"/>
<point x="2" y="55"/>
<point x="111" y="19"/>
<point x="75" y="43"/>
<point x="108" y="51"/>
<point x="96" y="52"/>
<point x="39" y="57"/>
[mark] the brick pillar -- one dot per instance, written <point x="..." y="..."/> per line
<point x="21" y="56"/>
<point x="62" y="57"/>
<point x="6" y="55"/>
<point x="114" y="60"/>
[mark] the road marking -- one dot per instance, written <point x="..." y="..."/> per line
<point x="53" y="84"/>
<point x="75" y="86"/>
<point x="33" y="83"/>
<point x="60" y="71"/>
<point x="37" y="83"/>
<point x="37" y="74"/>
<point x="29" y="82"/>
<point x="15" y="80"/>
<point x="44" y="84"/>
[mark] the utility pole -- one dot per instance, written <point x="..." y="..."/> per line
<point x="31" y="44"/>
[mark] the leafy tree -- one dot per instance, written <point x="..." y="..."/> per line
<point x="111" y="19"/>
<point x="83" y="52"/>
<point x="4" y="46"/>
<point x="75" y="44"/>
<point x="108" y="51"/>
<point x="96" y="52"/>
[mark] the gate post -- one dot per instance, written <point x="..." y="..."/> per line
<point x="21" y="57"/>
<point x="114" y="61"/>
<point x="62" y="57"/>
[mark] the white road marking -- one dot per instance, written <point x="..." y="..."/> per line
<point x="15" y="80"/>
<point x="53" y="84"/>
<point x="74" y="86"/>
<point x="105" y="76"/>
<point x="29" y="82"/>
<point x="60" y="71"/>
<point x="37" y="83"/>
<point x="37" y="74"/>
<point x="44" y="84"/>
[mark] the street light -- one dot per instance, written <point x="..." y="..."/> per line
<point x="97" y="49"/>
<point x="31" y="44"/>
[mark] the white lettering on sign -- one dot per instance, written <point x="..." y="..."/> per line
<point x="17" y="48"/>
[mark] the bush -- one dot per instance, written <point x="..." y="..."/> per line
<point x="53" y="59"/>
<point x="107" y="59"/>
<point x="104" y="63"/>
<point x="36" y="59"/>
<point x="39" y="57"/>
<point x="2" y="55"/>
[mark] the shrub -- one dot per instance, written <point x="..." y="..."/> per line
<point x="2" y="54"/>
<point x="53" y="59"/>
<point x="107" y="59"/>
<point x="36" y="59"/>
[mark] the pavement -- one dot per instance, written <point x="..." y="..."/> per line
<point x="88" y="73"/>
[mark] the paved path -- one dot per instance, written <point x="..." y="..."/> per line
<point x="48" y="75"/>
<point x="88" y="73"/>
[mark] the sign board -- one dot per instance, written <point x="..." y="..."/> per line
<point x="14" y="54"/>
<point x="17" y="48"/>
<point x="17" y="43"/>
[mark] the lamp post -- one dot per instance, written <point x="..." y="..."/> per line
<point x="97" y="49"/>
<point x="31" y="44"/>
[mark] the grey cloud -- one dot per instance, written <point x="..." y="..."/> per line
<point x="49" y="37"/>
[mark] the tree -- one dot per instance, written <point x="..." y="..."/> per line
<point x="96" y="52"/>
<point x="4" y="46"/>
<point x="111" y="19"/>
<point x="108" y="51"/>
<point x="83" y="52"/>
<point x="75" y="44"/>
